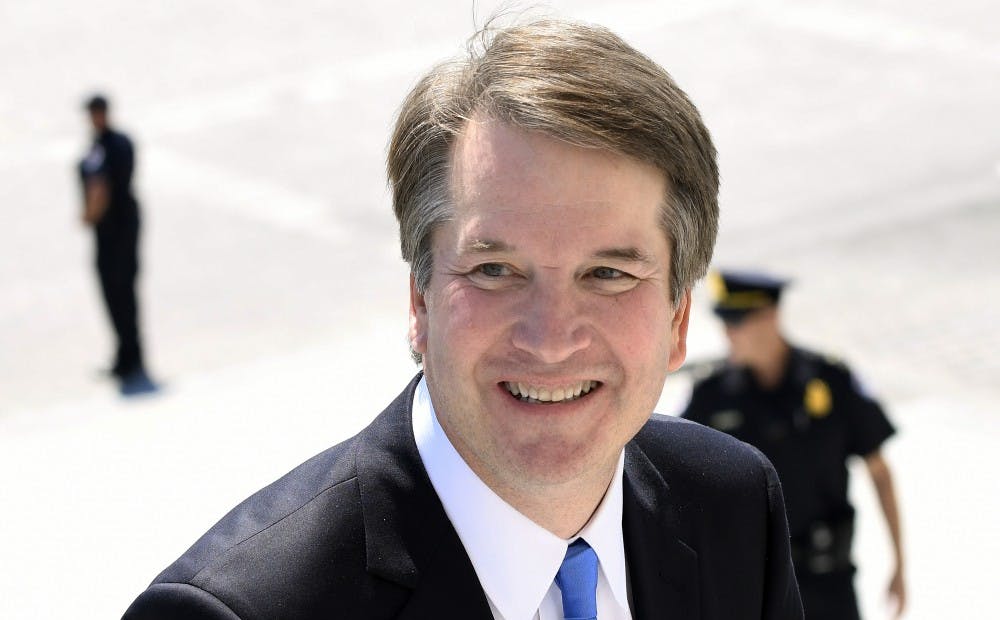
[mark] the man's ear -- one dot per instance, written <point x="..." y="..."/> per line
<point x="418" y="319"/>
<point x="679" y="332"/>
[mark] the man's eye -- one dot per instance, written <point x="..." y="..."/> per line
<point x="609" y="280"/>
<point x="607" y="273"/>
<point x="493" y="276"/>
<point x="493" y="270"/>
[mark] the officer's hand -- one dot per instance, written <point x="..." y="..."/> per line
<point x="897" y="593"/>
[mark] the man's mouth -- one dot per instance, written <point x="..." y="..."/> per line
<point x="527" y="393"/>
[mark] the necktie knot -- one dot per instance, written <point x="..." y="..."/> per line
<point x="577" y="581"/>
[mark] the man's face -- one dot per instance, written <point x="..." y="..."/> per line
<point x="751" y="337"/>
<point x="553" y="277"/>
<point x="98" y="119"/>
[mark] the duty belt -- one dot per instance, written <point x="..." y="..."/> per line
<point x="824" y="549"/>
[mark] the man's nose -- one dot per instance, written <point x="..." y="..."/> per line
<point x="552" y="325"/>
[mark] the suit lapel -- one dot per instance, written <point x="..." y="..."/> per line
<point x="408" y="537"/>
<point x="663" y="570"/>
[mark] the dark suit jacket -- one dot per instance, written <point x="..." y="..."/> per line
<point x="358" y="532"/>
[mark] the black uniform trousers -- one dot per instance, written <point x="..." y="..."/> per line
<point x="117" y="267"/>
<point x="829" y="597"/>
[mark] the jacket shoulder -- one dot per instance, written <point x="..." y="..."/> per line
<point x="298" y="548"/>
<point x="700" y="459"/>
<point x="294" y="549"/>
<point x="721" y="498"/>
<point x="259" y="520"/>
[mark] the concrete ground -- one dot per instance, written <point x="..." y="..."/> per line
<point x="860" y="150"/>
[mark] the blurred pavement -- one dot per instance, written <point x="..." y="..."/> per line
<point x="860" y="152"/>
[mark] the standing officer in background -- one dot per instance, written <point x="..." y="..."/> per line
<point x="807" y="414"/>
<point x="110" y="208"/>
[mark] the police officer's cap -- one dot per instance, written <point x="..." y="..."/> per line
<point x="96" y="103"/>
<point x="736" y="294"/>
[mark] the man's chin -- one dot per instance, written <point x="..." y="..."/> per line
<point x="559" y="465"/>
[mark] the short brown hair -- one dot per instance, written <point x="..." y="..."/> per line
<point x="575" y="82"/>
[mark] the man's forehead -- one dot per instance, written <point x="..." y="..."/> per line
<point x="486" y="147"/>
<point x="486" y="151"/>
<point x="485" y="144"/>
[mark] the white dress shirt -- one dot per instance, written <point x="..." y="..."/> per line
<point x="515" y="559"/>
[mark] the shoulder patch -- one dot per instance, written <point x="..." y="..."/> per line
<point x="94" y="159"/>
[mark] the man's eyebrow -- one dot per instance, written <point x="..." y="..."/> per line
<point x="628" y="254"/>
<point x="483" y="246"/>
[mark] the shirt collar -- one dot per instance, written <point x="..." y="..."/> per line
<point x="604" y="534"/>
<point x="515" y="559"/>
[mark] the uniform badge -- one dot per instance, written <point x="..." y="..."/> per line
<point x="818" y="400"/>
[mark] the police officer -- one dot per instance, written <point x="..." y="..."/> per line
<point x="110" y="208"/>
<point x="808" y="414"/>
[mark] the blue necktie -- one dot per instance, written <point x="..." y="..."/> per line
<point x="577" y="580"/>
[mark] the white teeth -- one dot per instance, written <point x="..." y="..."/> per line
<point x="545" y="395"/>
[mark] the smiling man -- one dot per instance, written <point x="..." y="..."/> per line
<point x="556" y="196"/>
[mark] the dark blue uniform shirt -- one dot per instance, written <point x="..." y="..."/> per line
<point x="808" y="426"/>
<point x="111" y="158"/>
